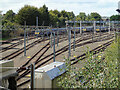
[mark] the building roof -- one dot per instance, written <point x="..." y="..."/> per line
<point x="53" y="69"/>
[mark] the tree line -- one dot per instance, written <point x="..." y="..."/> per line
<point x="47" y="17"/>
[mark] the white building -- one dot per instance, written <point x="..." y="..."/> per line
<point x="104" y="18"/>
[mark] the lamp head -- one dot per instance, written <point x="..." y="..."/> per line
<point x="118" y="10"/>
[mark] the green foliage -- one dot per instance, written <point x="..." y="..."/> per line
<point x="115" y="18"/>
<point x="95" y="16"/>
<point x="96" y="73"/>
<point x="44" y="16"/>
<point x="58" y="18"/>
<point x="8" y="18"/>
<point x="82" y="16"/>
<point x="1" y="17"/>
<point x="27" y="13"/>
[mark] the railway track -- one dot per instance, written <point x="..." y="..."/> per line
<point x="13" y="45"/>
<point x="58" y="53"/>
<point x="9" y="41"/>
<point x="46" y="47"/>
<point x="18" y="52"/>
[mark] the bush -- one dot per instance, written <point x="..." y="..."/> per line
<point x="100" y="71"/>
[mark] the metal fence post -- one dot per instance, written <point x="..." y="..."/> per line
<point x="80" y="27"/>
<point x="74" y="35"/>
<point x="109" y="26"/>
<point x="27" y="35"/>
<point x="37" y="24"/>
<point x="100" y="31"/>
<point x="54" y="48"/>
<point x="103" y="24"/>
<point x="32" y="76"/>
<point x="69" y="39"/>
<point x="51" y="39"/>
<point x="57" y="38"/>
<point x="25" y="39"/>
<point x="94" y="27"/>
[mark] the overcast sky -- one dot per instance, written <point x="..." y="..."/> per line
<point x="103" y="7"/>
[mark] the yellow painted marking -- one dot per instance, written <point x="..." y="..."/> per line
<point x="75" y="56"/>
<point x="28" y="75"/>
<point x="28" y="57"/>
<point x="99" y="56"/>
<point x="36" y="32"/>
<point x="84" y="29"/>
<point x="22" y="39"/>
<point x="83" y="68"/>
<point x="97" y="29"/>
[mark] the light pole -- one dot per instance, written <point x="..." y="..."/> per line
<point x="118" y="10"/>
<point x="118" y="35"/>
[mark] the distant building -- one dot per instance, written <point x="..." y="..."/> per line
<point x="104" y="18"/>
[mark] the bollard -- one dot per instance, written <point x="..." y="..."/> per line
<point x="25" y="40"/>
<point x="54" y="48"/>
<point x="32" y="76"/>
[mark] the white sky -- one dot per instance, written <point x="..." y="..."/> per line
<point x="103" y="7"/>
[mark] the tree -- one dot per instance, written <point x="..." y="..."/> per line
<point x="1" y="17"/>
<point x="53" y="18"/>
<point x="8" y="17"/>
<point x="88" y="18"/>
<point x="27" y="13"/>
<point x="95" y="16"/>
<point x="82" y="16"/>
<point x="45" y="18"/>
<point x="62" y="21"/>
<point x="71" y="15"/>
<point x="115" y="18"/>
